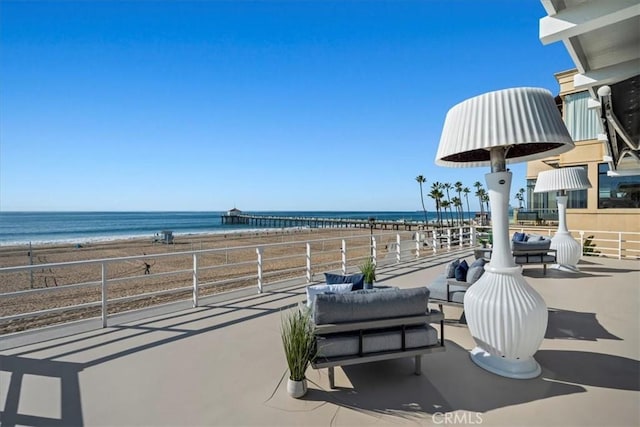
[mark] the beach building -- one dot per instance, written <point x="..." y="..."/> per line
<point x="600" y="104"/>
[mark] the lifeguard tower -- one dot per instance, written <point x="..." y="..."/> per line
<point x="165" y="236"/>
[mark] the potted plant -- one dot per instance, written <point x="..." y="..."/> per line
<point x="299" y="348"/>
<point x="368" y="269"/>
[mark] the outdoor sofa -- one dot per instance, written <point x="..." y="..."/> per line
<point x="353" y="327"/>
<point x="449" y="287"/>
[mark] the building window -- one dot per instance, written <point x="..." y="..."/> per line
<point x="583" y="123"/>
<point x="617" y="191"/>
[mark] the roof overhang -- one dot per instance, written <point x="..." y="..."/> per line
<point x="603" y="40"/>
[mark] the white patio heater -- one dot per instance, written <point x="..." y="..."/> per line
<point x="506" y="316"/>
<point x="568" y="250"/>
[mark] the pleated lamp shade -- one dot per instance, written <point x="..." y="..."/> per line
<point x="524" y="119"/>
<point x="562" y="179"/>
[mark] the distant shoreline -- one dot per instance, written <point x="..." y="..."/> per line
<point x="139" y="237"/>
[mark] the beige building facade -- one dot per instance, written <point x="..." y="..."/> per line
<point x="613" y="202"/>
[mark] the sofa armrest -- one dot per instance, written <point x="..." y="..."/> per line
<point x="432" y="317"/>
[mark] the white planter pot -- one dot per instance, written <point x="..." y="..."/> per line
<point x="296" y="389"/>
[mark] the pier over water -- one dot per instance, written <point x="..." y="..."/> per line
<point x="318" y="222"/>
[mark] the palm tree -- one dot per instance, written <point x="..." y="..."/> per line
<point x="485" y="199"/>
<point x="479" y="192"/>
<point x="457" y="202"/>
<point x="437" y="195"/>
<point x="466" y="192"/>
<point x="446" y="204"/>
<point x="458" y="186"/>
<point x="447" y="186"/>
<point x="421" y="180"/>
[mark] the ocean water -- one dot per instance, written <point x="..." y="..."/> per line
<point x="17" y="228"/>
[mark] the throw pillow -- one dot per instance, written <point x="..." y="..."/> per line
<point x="450" y="269"/>
<point x="461" y="271"/>
<point x="314" y="290"/>
<point x="356" y="279"/>
<point x="474" y="273"/>
<point x="519" y="237"/>
<point x="535" y="238"/>
<point x="480" y="262"/>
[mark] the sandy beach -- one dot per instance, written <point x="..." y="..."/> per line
<point x="232" y="265"/>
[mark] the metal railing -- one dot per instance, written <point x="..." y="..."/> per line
<point x="107" y="286"/>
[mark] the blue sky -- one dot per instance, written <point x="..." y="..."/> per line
<point x="289" y="105"/>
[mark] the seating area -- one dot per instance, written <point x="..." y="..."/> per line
<point x="354" y="325"/>
<point x="527" y="249"/>
<point x="449" y="288"/>
<point x="531" y="249"/>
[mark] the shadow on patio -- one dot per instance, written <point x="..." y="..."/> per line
<point x="389" y="388"/>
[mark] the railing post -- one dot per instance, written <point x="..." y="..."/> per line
<point x="619" y="245"/>
<point x="460" y="237"/>
<point x="343" y="252"/>
<point x="195" y="280"/>
<point x="374" y="256"/>
<point x="433" y="242"/>
<point x="309" y="275"/>
<point x="104" y="294"/>
<point x="418" y="245"/>
<point x="473" y="231"/>
<point x="259" y="253"/>
<point x="448" y="239"/>
<point x="398" y="248"/>
<point x="582" y="242"/>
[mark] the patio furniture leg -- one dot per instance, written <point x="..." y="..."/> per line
<point x="418" y="363"/>
<point x="332" y="383"/>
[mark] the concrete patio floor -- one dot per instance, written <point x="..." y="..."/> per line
<point x="222" y="365"/>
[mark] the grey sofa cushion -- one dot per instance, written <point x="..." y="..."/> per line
<point x="354" y="307"/>
<point x="348" y="344"/>
<point x="438" y="290"/>
<point x="531" y="246"/>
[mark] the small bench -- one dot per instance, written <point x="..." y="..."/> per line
<point x="368" y="326"/>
